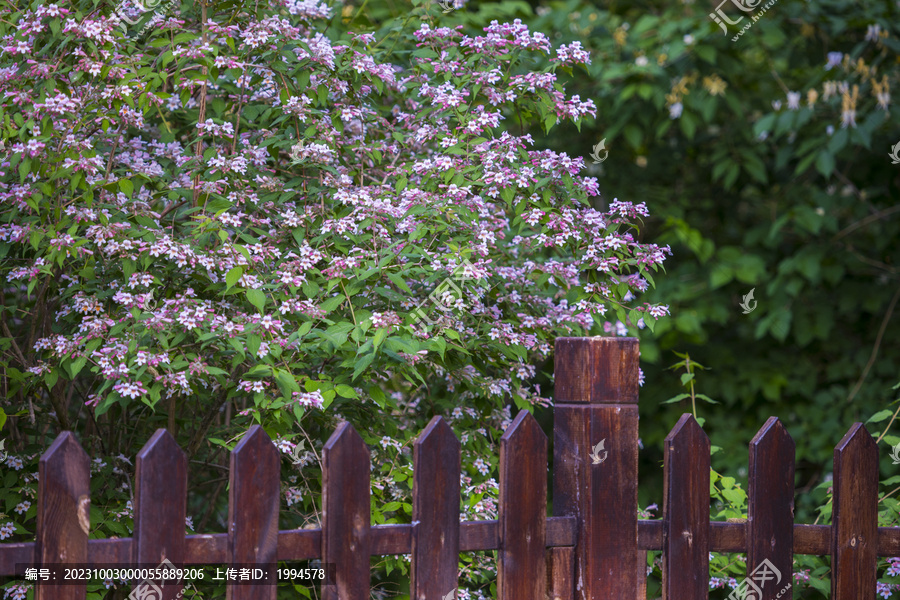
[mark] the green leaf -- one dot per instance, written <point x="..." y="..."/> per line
<point x="825" y="163"/>
<point x="378" y="396"/>
<point x="258" y="299"/>
<point x="126" y="186"/>
<point x="332" y="303"/>
<point x="880" y="416"/>
<point x="236" y="344"/>
<point x="50" y="378"/>
<point x="399" y="282"/>
<point x="675" y="399"/>
<point x="233" y="276"/>
<point x="253" y="343"/>
<point x="76" y="366"/>
<point x="345" y="391"/>
<point x="379" y="336"/>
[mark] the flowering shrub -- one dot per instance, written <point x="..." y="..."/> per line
<point x="229" y="222"/>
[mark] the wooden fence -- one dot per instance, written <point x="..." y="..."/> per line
<point x="593" y="548"/>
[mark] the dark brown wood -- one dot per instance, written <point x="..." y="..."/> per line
<point x="641" y="593"/>
<point x="435" y="545"/>
<point x="160" y="507"/>
<point x="253" y="505"/>
<point x="855" y="516"/>
<point x="306" y="544"/>
<point x="685" y="573"/>
<point x="346" y="514"/>
<point x="597" y="370"/>
<point x="770" y="515"/>
<point x="561" y="573"/>
<point x="522" y="568"/>
<point x="63" y="514"/>
<point x="596" y="401"/>
<point x="732" y="537"/>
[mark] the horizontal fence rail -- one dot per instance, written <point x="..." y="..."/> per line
<point x="592" y="548"/>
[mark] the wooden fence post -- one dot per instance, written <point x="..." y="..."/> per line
<point x="63" y="520"/>
<point x="596" y="402"/>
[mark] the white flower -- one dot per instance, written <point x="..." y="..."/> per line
<point x="834" y="60"/>
<point x="675" y="110"/>
<point x="688" y="39"/>
<point x="873" y="32"/>
<point x="793" y="99"/>
<point x="641" y="61"/>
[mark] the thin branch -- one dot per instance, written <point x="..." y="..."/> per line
<point x="884" y="322"/>
<point x="863" y="222"/>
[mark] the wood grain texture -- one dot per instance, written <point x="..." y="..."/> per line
<point x="346" y="514"/>
<point x="298" y="545"/>
<point x="770" y="513"/>
<point x="160" y="507"/>
<point x="854" y="516"/>
<point x="253" y="506"/>
<point x="522" y="568"/>
<point x="685" y="573"/>
<point x="598" y="379"/>
<point x="561" y="573"/>
<point x="597" y="370"/>
<point x="63" y="514"/>
<point x="435" y="545"/>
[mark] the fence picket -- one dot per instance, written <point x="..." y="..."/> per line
<point x="854" y="531"/>
<point x="346" y="514"/>
<point x="561" y="573"/>
<point x="685" y="572"/>
<point x="770" y="516"/>
<point x="596" y="393"/>
<point x="435" y="555"/>
<point x="253" y="505"/>
<point x="522" y="568"/>
<point x="63" y="518"/>
<point x="160" y="506"/>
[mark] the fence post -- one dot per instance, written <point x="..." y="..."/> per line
<point x="596" y="393"/>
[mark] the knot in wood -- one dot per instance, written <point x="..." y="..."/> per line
<point x="84" y="511"/>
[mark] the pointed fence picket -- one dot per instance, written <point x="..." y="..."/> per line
<point x="592" y="548"/>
